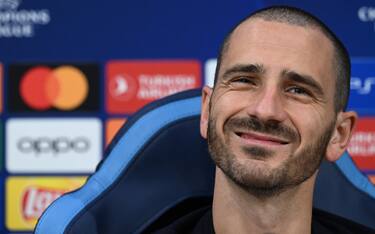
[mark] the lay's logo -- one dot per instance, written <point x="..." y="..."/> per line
<point x="57" y="87"/>
<point x="27" y="198"/>
<point x="35" y="200"/>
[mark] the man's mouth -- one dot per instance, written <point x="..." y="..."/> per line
<point x="257" y="138"/>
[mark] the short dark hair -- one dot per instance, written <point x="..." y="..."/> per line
<point x="295" y="16"/>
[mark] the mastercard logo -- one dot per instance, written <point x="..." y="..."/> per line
<point x="64" y="88"/>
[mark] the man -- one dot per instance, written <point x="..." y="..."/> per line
<point x="276" y="110"/>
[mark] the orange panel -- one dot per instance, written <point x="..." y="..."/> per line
<point x="112" y="126"/>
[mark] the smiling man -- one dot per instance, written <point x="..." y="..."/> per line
<point x="277" y="109"/>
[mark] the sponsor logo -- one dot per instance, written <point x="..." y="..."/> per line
<point x="366" y="14"/>
<point x="372" y="179"/>
<point x="112" y="127"/>
<point x="362" y="86"/>
<point x="1" y="145"/>
<point x="28" y="197"/>
<point x="20" y="23"/>
<point x="123" y="87"/>
<point x="209" y="72"/>
<point x="132" y="84"/>
<point x="63" y="88"/>
<point x="53" y="145"/>
<point x="36" y="200"/>
<point x="362" y="144"/>
<point x="42" y="88"/>
<point x="9" y="4"/>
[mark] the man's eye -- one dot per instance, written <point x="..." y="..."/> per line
<point x="243" y="80"/>
<point x="297" y="90"/>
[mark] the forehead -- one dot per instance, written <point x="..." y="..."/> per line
<point x="281" y="45"/>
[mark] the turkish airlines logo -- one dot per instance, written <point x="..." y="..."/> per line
<point x="362" y="144"/>
<point x="123" y="87"/>
<point x="43" y="88"/>
<point x="133" y="84"/>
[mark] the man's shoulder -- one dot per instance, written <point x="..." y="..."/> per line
<point x="196" y="222"/>
<point x="195" y="216"/>
<point x="324" y="222"/>
<point x="184" y="218"/>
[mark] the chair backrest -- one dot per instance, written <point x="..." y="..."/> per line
<point x="159" y="160"/>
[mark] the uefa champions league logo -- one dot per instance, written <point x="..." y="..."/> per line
<point x="9" y="4"/>
<point x="20" y="23"/>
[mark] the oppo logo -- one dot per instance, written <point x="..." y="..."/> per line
<point x="53" y="145"/>
<point x="366" y="14"/>
<point x="362" y="87"/>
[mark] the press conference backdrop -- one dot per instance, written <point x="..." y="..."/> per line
<point x="73" y="71"/>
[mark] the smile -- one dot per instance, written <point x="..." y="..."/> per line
<point x="260" y="139"/>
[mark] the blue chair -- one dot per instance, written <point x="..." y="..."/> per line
<point x="158" y="166"/>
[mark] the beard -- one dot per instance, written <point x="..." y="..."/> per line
<point x="263" y="181"/>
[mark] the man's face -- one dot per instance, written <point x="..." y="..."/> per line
<point x="271" y="113"/>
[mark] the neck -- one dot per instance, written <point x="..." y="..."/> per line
<point x="235" y="210"/>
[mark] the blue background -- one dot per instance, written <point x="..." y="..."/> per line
<point x="99" y="31"/>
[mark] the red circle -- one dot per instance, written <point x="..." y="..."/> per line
<point x="33" y="88"/>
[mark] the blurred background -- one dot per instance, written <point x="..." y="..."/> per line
<point x="72" y="72"/>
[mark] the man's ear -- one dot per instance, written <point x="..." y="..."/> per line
<point x="341" y="135"/>
<point x="205" y="109"/>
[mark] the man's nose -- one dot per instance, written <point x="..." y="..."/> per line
<point x="267" y="105"/>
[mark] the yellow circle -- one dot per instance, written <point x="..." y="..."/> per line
<point x="73" y="87"/>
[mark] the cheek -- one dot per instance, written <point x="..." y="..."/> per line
<point x="223" y="107"/>
<point x="310" y="122"/>
<point x="228" y="104"/>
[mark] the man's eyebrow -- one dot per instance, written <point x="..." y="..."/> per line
<point x="244" y="68"/>
<point x="303" y="79"/>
